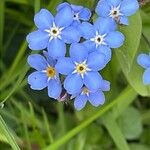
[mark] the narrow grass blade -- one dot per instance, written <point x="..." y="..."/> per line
<point x="8" y="134"/>
<point x="2" y="8"/>
<point x="49" y="133"/>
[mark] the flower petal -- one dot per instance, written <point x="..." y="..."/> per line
<point x="114" y="3"/>
<point x="37" y="80"/>
<point x="146" y="76"/>
<point x="78" y="52"/>
<point x="97" y="98"/>
<point x="103" y="8"/>
<point x="129" y="7"/>
<point x="73" y="83"/>
<point x="90" y="45"/>
<point x="64" y="17"/>
<point x="85" y="14"/>
<point x="76" y="24"/>
<point x="62" y="5"/>
<point x="64" y="66"/>
<point x="96" y="61"/>
<point x="87" y="30"/>
<point x="124" y="20"/>
<point x="80" y="102"/>
<point x="70" y="35"/>
<point x="92" y="80"/>
<point x="115" y="39"/>
<point x="144" y="60"/>
<point x="37" y="62"/>
<point x="105" y="85"/>
<point x="54" y="89"/>
<point x="105" y="25"/>
<point x="76" y="8"/>
<point x="106" y="51"/>
<point x="49" y="59"/>
<point x="43" y="19"/>
<point x="56" y="48"/>
<point x="37" y="40"/>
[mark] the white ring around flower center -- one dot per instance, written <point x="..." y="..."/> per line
<point x="99" y="39"/>
<point x="85" y="91"/>
<point x="115" y="12"/>
<point x="76" y="16"/>
<point x="54" y="32"/>
<point x="81" y="68"/>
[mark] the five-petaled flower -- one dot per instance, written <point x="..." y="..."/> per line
<point x="53" y="33"/>
<point x="102" y="36"/>
<point x="81" y="68"/>
<point x="45" y="76"/>
<point x="144" y="61"/>
<point x="118" y="10"/>
<point x="96" y="97"/>
<point x="79" y="13"/>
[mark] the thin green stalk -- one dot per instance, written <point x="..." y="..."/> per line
<point x="49" y="133"/>
<point x="2" y="8"/>
<point x="26" y="132"/>
<point x="125" y="94"/>
<point x="61" y="118"/>
<point x="19" y="1"/>
<point x="37" y="5"/>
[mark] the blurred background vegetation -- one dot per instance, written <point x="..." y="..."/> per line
<point x="30" y="120"/>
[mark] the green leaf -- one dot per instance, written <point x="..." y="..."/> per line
<point x="115" y="132"/>
<point x="127" y="54"/>
<point x="8" y="134"/>
<point x="139" y="147"/>
<point x="131" y="123"/>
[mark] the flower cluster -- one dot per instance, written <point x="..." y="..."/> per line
<point x="76" y="49"/>
<point x="144" y="61"/>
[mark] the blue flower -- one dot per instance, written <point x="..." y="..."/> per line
<point x="81" y="68"/>
<point x="119" y="10"/>
<point x="96" y="98"/>
<point x="144" y="61"/>
<point x="53" y="33"/>
<point x="79" y="13"/>
<point x="45" y="75"/>
<point x="102" y="36"/>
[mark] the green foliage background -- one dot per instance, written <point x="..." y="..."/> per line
<point x="30" y="120"/>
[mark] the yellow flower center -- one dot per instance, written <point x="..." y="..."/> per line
<point x="81" y="68"/>
<point x="51" y="72"/>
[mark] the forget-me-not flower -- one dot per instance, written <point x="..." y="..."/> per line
<point x="144" y="61"/>
<point x="102" y="36"/>
<point x="96" y="98"/>
<point x="45" y="75"/>
<point x="81" y="68"/>
<point x="119" y="10"/>
<point x="53" y="32"/>
<point x="79" y="13"/>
